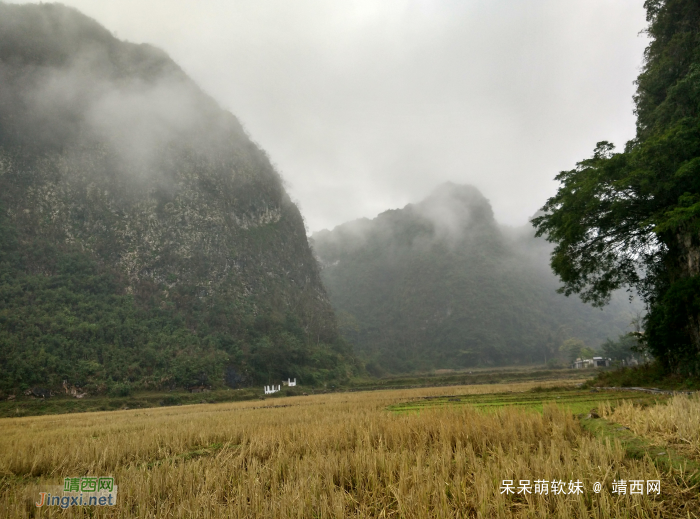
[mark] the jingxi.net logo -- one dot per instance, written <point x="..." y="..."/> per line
<point x="86" y="491"/>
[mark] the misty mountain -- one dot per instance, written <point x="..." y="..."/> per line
<point x="145" y="239"/>
<point x="440" y="284"/>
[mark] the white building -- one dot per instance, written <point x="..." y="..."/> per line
<point x="595" y="362"/>
<point x="271" y="389"/>
<point x="274" y="389"/>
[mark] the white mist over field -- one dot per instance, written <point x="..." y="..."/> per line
<point x="365" y="105"/>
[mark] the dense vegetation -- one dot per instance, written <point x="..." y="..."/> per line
<point x="633" y="218"/>
<point x="440" y="284"/>
<point x="145" y="240"/>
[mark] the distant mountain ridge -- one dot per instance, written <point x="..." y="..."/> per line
<point x="146" y="240"/>
<point x="440" y="284"/>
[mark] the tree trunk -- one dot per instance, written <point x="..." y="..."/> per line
<point x="689" y="267"/>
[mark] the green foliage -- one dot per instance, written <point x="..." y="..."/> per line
<point x="653" y="374"/>
<point x="631" y="218"/>
<point x="573" y="349"/>
<point x="625" y="347"/>
<point x="78" y="324"/>
<point x="667" y="325"/>
<point x="119" y="390"/>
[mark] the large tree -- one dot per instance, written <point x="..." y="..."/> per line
<point x="633" y="218"/>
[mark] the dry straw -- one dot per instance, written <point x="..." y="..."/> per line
<point x="338" y="455"/>
<point x="675" y="425"/>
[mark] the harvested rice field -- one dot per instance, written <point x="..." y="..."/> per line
<point x="492" y="452"/>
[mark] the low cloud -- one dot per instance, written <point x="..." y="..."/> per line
<point x="368" y="105"/>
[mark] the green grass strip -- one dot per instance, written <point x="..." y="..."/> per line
<point x="575" y="400"/>
<point x="637" y="447"/>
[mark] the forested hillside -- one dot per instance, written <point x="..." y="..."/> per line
<point x="440" y="284"/>
<point x="145" y="240"/>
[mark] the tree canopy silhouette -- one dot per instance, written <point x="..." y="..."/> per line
<point x="632" y="218"/>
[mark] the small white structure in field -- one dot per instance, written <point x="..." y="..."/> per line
<point x="290" y="383"/>
<point x="271" y="389"/>
<point x="595" y="362"/>
<point x="600" y="361"/>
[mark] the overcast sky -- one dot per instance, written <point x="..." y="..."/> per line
<point x="368" y="105"/>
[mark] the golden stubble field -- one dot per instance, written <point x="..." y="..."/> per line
<point x="335" y="455"/>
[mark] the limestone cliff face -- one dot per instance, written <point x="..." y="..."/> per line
<point x="108" y="148"/>
<point x="209" y="229"/>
